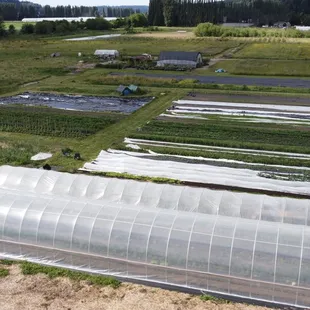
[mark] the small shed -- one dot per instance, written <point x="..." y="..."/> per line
<point x="190" y="59"/>
<point x="133" y="88"/>
<point x="112" y="54"/>
<point x="123" y="90"/>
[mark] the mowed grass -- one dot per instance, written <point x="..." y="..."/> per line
<point x="23" y="61"/>
<point x="262" y="67"/>
<point x="17" y="24"/>
<point x="275" y="51"/>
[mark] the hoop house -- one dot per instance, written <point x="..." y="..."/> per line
<point x="67" y="220"/>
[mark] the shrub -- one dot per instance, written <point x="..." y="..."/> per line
<point x="98" y="24"/>
<point x="119" y="23"/>
<point x="12" y="29"/>
<point x="27" y="29"/>
<point x="211" y="30"/>
<point x="44" y="27"/>
<point x="138" y="20"/>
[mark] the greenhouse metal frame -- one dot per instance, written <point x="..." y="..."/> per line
<point x="265" y="260"/>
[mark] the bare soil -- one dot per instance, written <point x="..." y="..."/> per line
<point x="252" y="98"/>
<point x="32" y="292"/>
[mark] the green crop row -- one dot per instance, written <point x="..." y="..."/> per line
<point x="225" y="134"/>
<point x="247" y="158"/>
<point x="49" y="122"/>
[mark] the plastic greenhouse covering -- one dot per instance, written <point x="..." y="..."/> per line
<point x="245" y="245"/>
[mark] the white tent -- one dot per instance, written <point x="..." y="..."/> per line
<point x="106" y="53"/>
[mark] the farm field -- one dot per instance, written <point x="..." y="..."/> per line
<point x="283" y="51"/>
<point x="229" y="153"/>
<point x="258" y="67"/>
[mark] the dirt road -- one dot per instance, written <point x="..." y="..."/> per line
<point x="236" y="80"/>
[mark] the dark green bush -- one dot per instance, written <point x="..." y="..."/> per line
<point x="27" y="29"/>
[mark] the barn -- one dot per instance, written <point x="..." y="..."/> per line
<point x="190" y="59"/>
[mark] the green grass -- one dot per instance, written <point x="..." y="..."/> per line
<point x="137" y="177"/>
<point x="23" y="61"/>
<point x="263" y="67"/>
<point x="17" y="24"/>
<point x="7" y="262"/>
<point x="4" y="272"/>
<point x="214" y="299"/>
<point x="283" y="51"/>
<point x="54" y="272"/>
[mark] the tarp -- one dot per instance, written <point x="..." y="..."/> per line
<point x="41" y="156"/>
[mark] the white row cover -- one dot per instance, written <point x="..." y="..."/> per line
<point x="147" y="165"/>
<point x="231" y="255"/>
<point x="151" y="195"/>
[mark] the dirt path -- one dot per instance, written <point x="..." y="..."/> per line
<point x="225" y="55"/>
<point x="19" y="292"/>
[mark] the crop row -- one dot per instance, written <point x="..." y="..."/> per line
<point x="247" y="158"/>
<point x="227" y="135"/>
<point x="48" y="122"/>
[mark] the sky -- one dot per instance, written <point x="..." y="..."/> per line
<point x="91" y="2"/>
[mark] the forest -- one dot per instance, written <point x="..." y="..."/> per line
<point x="15" y="10"/>
<point x="189" y="13"/>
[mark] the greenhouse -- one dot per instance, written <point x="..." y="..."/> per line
<point x="136" y="230"/>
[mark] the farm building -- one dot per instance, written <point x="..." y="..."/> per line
<point x="190" y="59"/>
<point x="106" y="53"/>
<point x="133" y="88"/>
<point x="69" y="19"/>
<point x="124" y="90"/>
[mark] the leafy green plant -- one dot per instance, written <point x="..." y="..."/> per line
<point x="4" y="272"/>
<point x="214" y="299"/>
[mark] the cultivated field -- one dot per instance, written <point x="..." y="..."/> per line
<point x="203" y="136"/>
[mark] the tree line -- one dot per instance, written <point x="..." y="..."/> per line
<point x="19" y="10"/>
<point x="260" y="12"/>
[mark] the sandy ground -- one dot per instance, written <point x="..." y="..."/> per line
<point x="19" y="292"/>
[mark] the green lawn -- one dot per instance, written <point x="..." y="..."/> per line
<point x="16" y="24"/>
<point x="263" y="67"/>
<point x="275" y="51"/>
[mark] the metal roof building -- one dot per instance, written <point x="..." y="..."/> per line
<point x="155" y="233"/>
<point x="190" y="59"/>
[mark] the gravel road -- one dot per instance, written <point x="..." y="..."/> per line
<point x="237" y="80"/>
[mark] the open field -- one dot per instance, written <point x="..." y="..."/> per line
<point x="24" y="61"/>
<point x="262" y="67"/>
<point x="249" y="141"/>
<point x="282" y="51"/>
<point x="17" y="24"/>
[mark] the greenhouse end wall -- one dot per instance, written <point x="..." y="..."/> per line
<point x="250" y="258"/>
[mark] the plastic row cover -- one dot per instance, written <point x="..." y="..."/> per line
<point x="151" y="195"/>
<point x="249" y="258"/>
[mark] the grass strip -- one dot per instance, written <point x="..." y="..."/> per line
<point x="54" y="272"/>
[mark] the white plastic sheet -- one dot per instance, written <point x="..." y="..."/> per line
<point x="147" y="165"/>
<point x="251" y="246"/>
